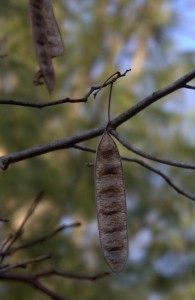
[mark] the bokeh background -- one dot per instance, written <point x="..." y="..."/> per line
<point x="157" y="40"/>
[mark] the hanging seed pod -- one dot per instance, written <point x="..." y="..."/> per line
<point x="53" y="33"/>
<point x="111" y="204"/>
<point x="39" y="30"/>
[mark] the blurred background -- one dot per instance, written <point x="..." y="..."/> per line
<point x="157" y="40"/>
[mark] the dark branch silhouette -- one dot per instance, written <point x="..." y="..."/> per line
<point x="30" y="278"/>
<point x="188" y="86"/>
<point x="31" y="210"/>
<point x="11" y="272"/>
<point x="94" y="90"/>
<point x="24" y="263"/>
<point x="68" y="142"/>
<point x="161" y="174"/>
<point x="139" y="152"/>
<point x="40" y="240"/>
<point x="143" y="164"/>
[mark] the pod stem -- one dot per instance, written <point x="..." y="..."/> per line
<point x="109" y="104"/>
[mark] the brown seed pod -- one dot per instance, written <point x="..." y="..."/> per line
<point x="53" y="33"/>
<point x="39" y="30"/>
<point x="111" y="204"/>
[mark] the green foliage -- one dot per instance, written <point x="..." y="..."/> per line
<point x="101" y="37"/>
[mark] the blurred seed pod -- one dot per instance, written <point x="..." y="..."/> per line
<point x="47" y="40"/>
<point x="53" y="33"/>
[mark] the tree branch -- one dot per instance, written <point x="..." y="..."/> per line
<point x="24" y="263"/>
<point x="145" y="165"/>
<point x="70" y="275"/>
<point x="161" y="174"/>
<point x="93" y="90"/>
<point x="149" y="156"/>
<point x="4" y="220"/>
<point x="6" y="160"/>
<point x="84" y="148"/>
<point x="188" y="86"/>
<point x="39" y="240"/>
<point x="8" y="249"/>
<point x="31" y="210"/>
<point x="88" y="134"/>
<point x="31" y="280"/>
<point x="147" y="101"/>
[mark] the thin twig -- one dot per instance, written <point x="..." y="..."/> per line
<point x="31" y="210"/>
<point x="93" y="90"/>
<point x="109" y="103"/>
<point x="111" y="80"/>
<point x="24" y="263"/>
<point x="188" y="86"/>
<point x="4" y="244"/>
<point x="145" y="165"/>
<point x="39" y="240"/>
<point x="42" y="288"/>
<point x="32" y="279"/>
<point x="70" y="275"/>
<point x="147" y="101"/>
<point x="84" y="148"/>
<point x="165" y="177"/>
<point x="149" y="156"/>
<point x="4" y="220"/>
<point x="89" y="164"/>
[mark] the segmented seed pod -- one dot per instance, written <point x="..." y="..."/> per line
<point x="111" y="204"/>
<point x="39" y="30"/>
<point x="53" y="33"/>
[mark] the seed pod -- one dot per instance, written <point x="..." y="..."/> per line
<point x="53" y="33"/>
<point x="41" y="42"/>
<point x="111" y="204"/>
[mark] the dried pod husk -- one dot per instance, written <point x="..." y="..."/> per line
<point x="39" y="30"/>
<point x="111" y="204"/>
<point x="53" y="33"/>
